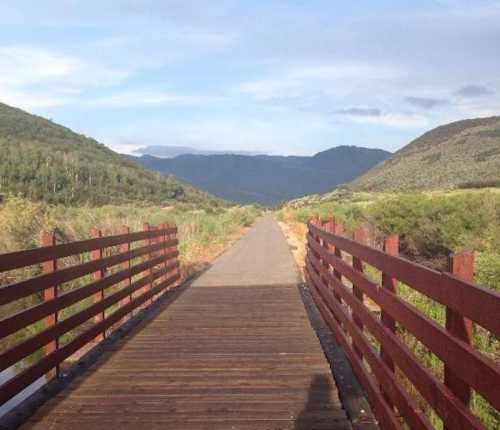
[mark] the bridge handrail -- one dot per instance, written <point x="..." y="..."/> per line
<point x="332" y="258"/>
<point x="131" y="274"/>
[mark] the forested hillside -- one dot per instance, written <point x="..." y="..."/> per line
<point x="268" y="179"/>
<point x="44" y="161"/>
<point x="462" y="154"/>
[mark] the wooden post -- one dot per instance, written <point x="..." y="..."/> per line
<point x="357" y="264"/>
<point x="338" y="230"/>
<point x="391" y="247"/>
<point x="328" y="226"/>
<point x="96" y="255"/>
<point x="164" y="250"/>
<point x="147" y="257"/>
<point x="48" y="239"/>
<point x="159" y="240"/>
<point x="316" y="222"/>
<point x="169" y="249"/>
<point x="462" y="266"/>
<point x="125" y="247"/>
<point x="174" y="248"/>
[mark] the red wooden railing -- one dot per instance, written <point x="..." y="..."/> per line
<point x="119" y="273"/>
<point x="334" y="272"/>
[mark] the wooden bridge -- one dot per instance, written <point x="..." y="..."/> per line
<point x="122" y="344"/>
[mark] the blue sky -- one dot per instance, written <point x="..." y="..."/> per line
<point x="282" y="77"/>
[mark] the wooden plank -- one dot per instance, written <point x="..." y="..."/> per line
<point x="414" y="417"/>
<point x="357" y="264"/>
<point x="11" y="292"/>
<point x="49" y="294"/>
<point x="218" y="357"/>
<point x="29" y="375"/>
<point x="460" y="357"/>
<point x="382" y="411"/>
<point x="30" y="345"/>
<point x="461" y="265"/>
<point x="449" y="408"/>
<point x="97" y="255"/>
<point x="472" y="301"/>
<point x="391" y="247"/>
<point x="125" y="247"/>
<point x="23" y="318"/>
<point x="18" y="259"/>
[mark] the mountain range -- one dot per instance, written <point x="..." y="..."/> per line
<point x="462" y="154"/>
<point x="174" y="151"/>
<point x="267" y="179"/>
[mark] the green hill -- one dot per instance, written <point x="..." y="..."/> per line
<point x="463" y="154"/>
<point x="44" y="161"/>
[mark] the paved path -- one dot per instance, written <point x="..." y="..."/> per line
<point x="234" y="351"/>
<point x="261" y="257"/>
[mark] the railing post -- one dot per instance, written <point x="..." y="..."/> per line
<point x="462" y="266"/>
<point x="312" y="221"/>
<point x="96" y="255"/>
<point x="48" y="239"/>
<point x="160" y="240"/>
<point x="329" y="226"/>
<point x="357" y="264"/>
<point x="167" y="249"/>
<point x="338" y="230"/>
<point x="147" y="257"/>
<point x="391" y="247"/>
<point x="175" y="248"/>
<point x="125" y="247"/>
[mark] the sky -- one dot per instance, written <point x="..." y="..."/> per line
<point x="279" y="77"/>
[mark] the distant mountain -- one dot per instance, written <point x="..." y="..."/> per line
<point x="462" y="154"/>
<point x="268" y="179"/>
<point x="45" y="161"/>
<point x="174" y="151"/>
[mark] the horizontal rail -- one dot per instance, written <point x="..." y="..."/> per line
<point x="342" y="306"/>
<point x="461" y="357"/>
<point x="28" y="346"/>
<point x="29" y="316"/>
<point x="135" y="283"/>
<point x="31" y="374"/>
<point x="474" y="302"/>
<point x="21" y="289"/>
<point x="30" y="257"/>
<point x="433" y="390"/>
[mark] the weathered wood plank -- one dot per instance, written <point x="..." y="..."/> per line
<point x="218" y="357"/>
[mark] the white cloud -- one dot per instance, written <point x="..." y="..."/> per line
<point x="150" y="97"/>
<point x="34" y="77"/>
<point x="396" y="120"/>
<point x="21" y="64"/>
<point x="327" y="78"/>
<point x="30" y="100"/>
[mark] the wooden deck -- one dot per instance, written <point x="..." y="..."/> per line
<point x="218" y="357"/>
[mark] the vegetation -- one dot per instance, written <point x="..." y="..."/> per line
<point x="431" y="226"/>
<point x="265" y="179"/>
<point x="463" y="154"/>
<point x="45" y="161"/>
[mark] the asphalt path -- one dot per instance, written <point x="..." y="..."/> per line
<point x="262" y="257"/>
